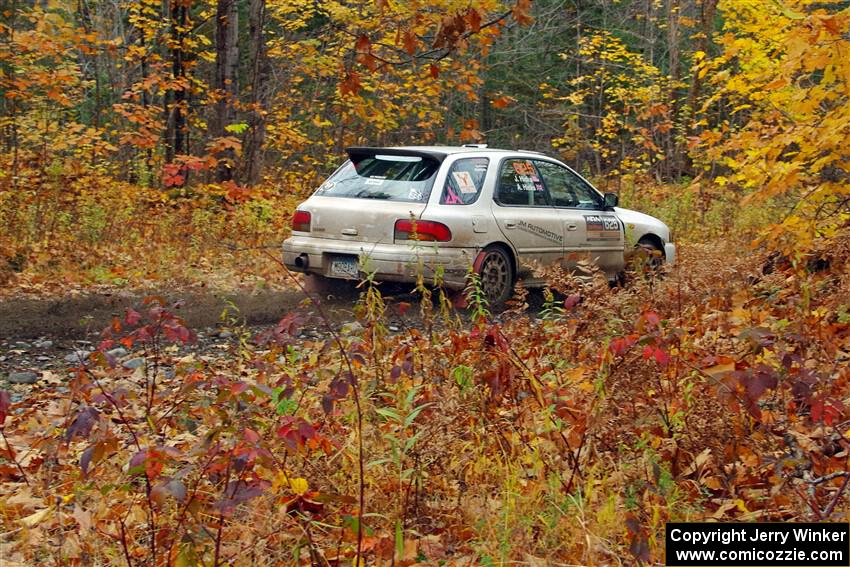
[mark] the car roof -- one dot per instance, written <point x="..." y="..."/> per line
<point x="438" y="153"/>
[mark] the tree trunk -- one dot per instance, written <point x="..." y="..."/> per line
<point x="9" y="105"/>
<point x="707" y="9"/>
<point x="253" y="150"/>
<point x="226" y="62"/>
<point x="178" y="71"/>
<point x="174" y="102"/>
<point x="673" y="148"/>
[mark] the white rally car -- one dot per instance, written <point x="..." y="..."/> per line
<point x="443" y="211"/>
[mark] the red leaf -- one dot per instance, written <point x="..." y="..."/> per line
<point x="621" y="345"/>
<point x="350" y="85"/>
<point x="435" y="71"/>
<point x="817" y="410"/>
<point x="758" y="381"/>
<point x="173" y="180"/>
<point x="85" y="460"/>
<point x="83" y="423"/>
<point x="520" y="12"/>
<point x="133" y="317"/>
<point x="363" y="45"/>
<point x="368" y="60"/>
<point x="827" y="411"/>
<point x="92" y="454"/>
<point x="5" y="403"/>
<point x="153" y="465"/>
<point x="409" y="42"/>
<point x="306" y="430"/>
<point x="251" y="436"/>
<point x="501" y="102"/>
<point x="473" y="16"/>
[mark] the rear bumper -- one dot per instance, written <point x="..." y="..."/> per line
<point x="670" y="253"/>
<point x="389" y="262"/>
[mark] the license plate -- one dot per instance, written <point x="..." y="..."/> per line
<point x="345" y="268"/>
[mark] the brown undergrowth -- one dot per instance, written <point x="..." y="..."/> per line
<point x="87" y="232"/>
<point x="717" y="390"/>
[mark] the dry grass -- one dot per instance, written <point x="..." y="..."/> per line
<point x="567" y="440"/>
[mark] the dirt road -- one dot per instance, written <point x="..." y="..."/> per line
<point x="73" y="317"/>
<point x="39" y="336"/>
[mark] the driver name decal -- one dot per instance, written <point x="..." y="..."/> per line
<point x="602" y="227"/>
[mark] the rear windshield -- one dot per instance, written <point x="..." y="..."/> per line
<point x="386" y="177"/>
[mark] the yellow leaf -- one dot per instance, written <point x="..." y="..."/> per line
<point x="299" y="486"/>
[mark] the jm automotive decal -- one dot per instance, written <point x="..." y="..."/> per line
<point x="540" y="231"/>
<point x="602" y="227"/>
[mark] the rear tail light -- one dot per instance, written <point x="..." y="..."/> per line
<point x="407" y="229"/>
<point x="301" y="221"/>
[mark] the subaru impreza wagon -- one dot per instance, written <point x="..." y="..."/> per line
<point x="443" y="212"/>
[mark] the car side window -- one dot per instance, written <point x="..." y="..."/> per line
<point x="520" y="185"/>
<point x="566" y="188"/>
<point x="464" y="181"/>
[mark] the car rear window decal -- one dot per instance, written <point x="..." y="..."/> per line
<point x="464" y="181"/>
<point x="450" y="197"/>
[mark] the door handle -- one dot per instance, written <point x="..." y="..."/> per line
<point x="349" y="231"/>
<point x="510" y="224"/>
<point x="572" y="227"/>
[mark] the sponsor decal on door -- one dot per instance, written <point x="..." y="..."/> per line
<point x="602" y="227"/>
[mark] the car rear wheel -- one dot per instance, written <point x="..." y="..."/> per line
<point x="496" y="274"/>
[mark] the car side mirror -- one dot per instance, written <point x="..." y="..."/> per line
<point x="611" y="200"/>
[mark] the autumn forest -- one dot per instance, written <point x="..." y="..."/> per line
<point x="153" y="152"/>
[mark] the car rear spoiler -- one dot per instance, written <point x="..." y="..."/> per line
<point x="425" y="154"/>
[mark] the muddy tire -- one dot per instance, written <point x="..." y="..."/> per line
<point x="496" y="273"/>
